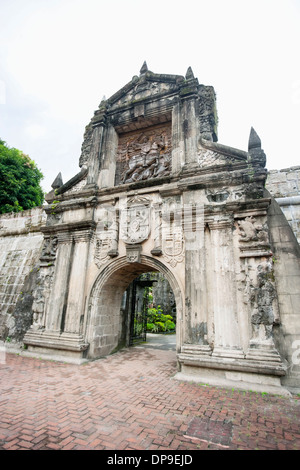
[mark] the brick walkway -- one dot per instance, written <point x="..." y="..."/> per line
<point x="130" y="401"/>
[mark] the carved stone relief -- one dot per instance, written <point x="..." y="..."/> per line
<point x="144" y="154"/>
<point x="144" y="89"/>
<point x="135" y="221"/>
<point x="263" y="308"/>
<point x="252" y="231"/>
<point x="41" y="295"/>
<point x="172" y="234"/>
<point x="207" y="113"/>
<point x="133" y="253"/>
<point x="77" y="187"/>
<point x="86" y="146"/>
<point x="107" y="236"/>
<point x="208" y="158"/>
<point x="102" y="247"/>
<point x="173" y="246"/>
<point x="49" y="249"/>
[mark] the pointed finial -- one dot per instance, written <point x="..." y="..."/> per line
<point x="102" y="102"/>
<point x="254" y="141"/>
<point x="144" y="68"/>
<point x="189" y="74"/>
<point x="58" y="182"/>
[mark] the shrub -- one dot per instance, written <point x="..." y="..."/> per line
<point x="158" y="322"/>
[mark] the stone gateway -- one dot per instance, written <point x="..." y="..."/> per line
<point x="157" y="192"/>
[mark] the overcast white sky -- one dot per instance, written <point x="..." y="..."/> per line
<point x="59" y="58"/>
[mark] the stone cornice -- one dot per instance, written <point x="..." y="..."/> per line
<point x="83" y="225"/>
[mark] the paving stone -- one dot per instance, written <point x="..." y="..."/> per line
<point x="50" y="405"/>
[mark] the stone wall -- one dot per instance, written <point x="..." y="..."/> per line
<point x="284" y="186"/>
<point x="20" y="245"/>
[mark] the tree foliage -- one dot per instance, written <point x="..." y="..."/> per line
<point x="19" y="181"/>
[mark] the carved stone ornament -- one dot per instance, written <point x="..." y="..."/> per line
<point x="144" y="155"/>
<point x="173" y="247"/>
<point x="207" y="158"/>
<point x="102" y="247"/>
<point x="251" y="231"/>
<point x="135" y="223"/>
<point x="49" y="249"/>
<point x="40" y="296"/>
<point x="133" y="253"/>
<point x="107" y="236"/>
<point x="264" y="308"/>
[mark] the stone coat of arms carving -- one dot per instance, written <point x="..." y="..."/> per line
<point x="103" y="245"/>
<point x="173" y="247"/>
<point x="135" y="224"/>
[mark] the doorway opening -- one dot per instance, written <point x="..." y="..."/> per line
<point x="114" y="312"/>
<point x="149" y="307"/>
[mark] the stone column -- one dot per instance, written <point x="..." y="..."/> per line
<point x="94" y="159"/>
<point x="196" y="323"/>
<point x="58" y="298"/>
<point x="157" y="232"/>
<point x="189" y="116"/>
<point x="73" y="318"/>
<point x="106" y="177"/>
<point x="190" y="130"/>
<point x="227" y="341"/>
<point x="177" y="140"/>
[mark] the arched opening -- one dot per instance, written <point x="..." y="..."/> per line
<point x="107" y="327"/>
<point x="148" y="308"/>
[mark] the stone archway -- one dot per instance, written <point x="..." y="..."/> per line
<point x="157" y="192"/>
<point x="103" y="328"/>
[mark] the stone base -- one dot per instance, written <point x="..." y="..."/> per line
<point x="237" y="381"/>
<point x="232" y="372"/>
<point x="68" y="347"/>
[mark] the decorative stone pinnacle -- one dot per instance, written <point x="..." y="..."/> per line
<point x="189" y="74"/>
<point x="58" y="182"/>
<point x="144" y="68"/>
<point x="254" y="141"/>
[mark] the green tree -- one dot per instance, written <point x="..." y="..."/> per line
<point x="19" y="181"/>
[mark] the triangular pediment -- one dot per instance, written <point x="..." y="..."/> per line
<point x="147" y="85"/>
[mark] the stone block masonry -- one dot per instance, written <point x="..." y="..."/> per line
<point x="284" y="186"/>
<point x="20" y="244"/>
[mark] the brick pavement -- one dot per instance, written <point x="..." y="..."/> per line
<point x="130" y="401"/>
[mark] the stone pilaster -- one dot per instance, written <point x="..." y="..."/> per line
<point x="94" y="159"/>
<point x="190" y="120"/>
<point x="259" y="285"/>
<point x="196" y="331"/>
<point x="106" y="176"/>
<point x="178" y="153"/>
<point x="58" y="297"/>
<point x="157" y="224"/>
<point x="76" y="291"/>
<point x="226" y="328"/>
<point x="64" y="309"/>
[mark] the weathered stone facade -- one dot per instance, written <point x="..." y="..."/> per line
<point x="20" y="243"/>
<point x="284" y="186"/>
<point x="157" y="192"/>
